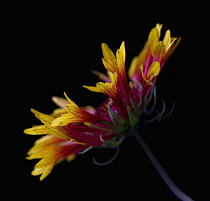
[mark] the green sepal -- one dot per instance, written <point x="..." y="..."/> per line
<point x="133" y="119"/>
<point x="136" y="109"/>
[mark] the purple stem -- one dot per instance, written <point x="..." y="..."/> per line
<point x="172" y="186"/>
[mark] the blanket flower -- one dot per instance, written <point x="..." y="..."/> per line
<point x="131" y="102"/>
<point x="71" y="129"/>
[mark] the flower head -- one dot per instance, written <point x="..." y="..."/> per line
<point x="72" y="129"/>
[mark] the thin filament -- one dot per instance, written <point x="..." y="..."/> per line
<point x="110" y="160"/>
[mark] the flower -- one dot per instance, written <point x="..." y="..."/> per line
<point x="72" y="129"/>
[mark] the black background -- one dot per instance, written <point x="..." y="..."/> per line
<point x="51" y="48"/>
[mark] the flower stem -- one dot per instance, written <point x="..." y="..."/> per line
<point x="172" y="186"/>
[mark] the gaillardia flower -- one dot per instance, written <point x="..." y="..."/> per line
<point x="130" y="102"/>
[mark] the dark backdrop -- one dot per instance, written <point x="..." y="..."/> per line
<point x="50" y="49"/>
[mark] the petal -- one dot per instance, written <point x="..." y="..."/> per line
<point x="57" y="112"/>
<point x="173" y="46"/>
<point x="153" y="40"/>
<point x="61" y="102"/>
<point x="70" y="157"/>
<point x="159" y="52"/>
<point x="167" y="39"/>
<point x="153" y="70"/>
<point x="106" y="88"/>
<point x="45" y="119"/>
<point x="159" y="27"/>
<point x="101" y="76"/>
<point x="134" y="72"/>
<point x="60" y="133"/>
<point x="42" y="148"/>
<point x="97" y="88"/>
<point x="62" y="120"/>
<point x="54" y="156"/>
<point x="36" y="130"/>
<point x="120" y="55"/>
<point x="132" y="68"/>
<point x="109" y="57"/>
<point x="46" y="171"/>
<point x="110" y="67"/>
<point x="75" y="114"/>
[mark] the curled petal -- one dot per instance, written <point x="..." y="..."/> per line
<point x="152" y="72"/>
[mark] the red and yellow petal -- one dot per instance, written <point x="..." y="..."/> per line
<point x="109" y="60"/>
<point x="106" y="88"/>
<point x="52" y="150"/>
<point x="75" y="114"/>
<point x="120" y="55"/>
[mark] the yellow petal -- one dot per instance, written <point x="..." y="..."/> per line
<point x="70" y="157"/>
<point x="45" y="171"/>
<point x="45" y="119"/>
<point x="159" y="27"/>
<point x="136" y="62"/>
<point x="113" y="77"/>
<point x="110" y="67"/>
<point x="36" y="130"/>
<point x="91" y="88"/>
<point x="160" y="51"/>
<point x="120" y="55"/>
<point x="109" y="55"/>
<point x="46" y="142"/>
<point x="153" y="70"/>
<point x="106" y="87"/>
<point x="62" y="120"/>
<point x="37" y="171"/>
<point x="153" y="40"/>
<point x="37" y="154"/>
<point x="103" y="86"/>
<point x="167" y="39"/>
<point x="133" y="67"/>
<point x="173" y="46"/>
<point x="68" y="99"/>
<point x="57" y="112"/>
